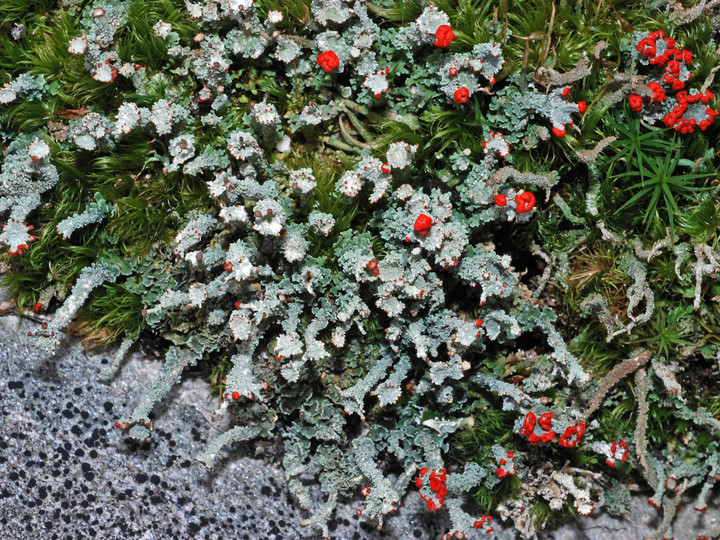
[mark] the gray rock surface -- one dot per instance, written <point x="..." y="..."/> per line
<point x="67" y="473"/>
<point x="639" y="522"/>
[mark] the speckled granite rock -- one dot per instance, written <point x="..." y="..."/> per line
<point x="68" y="474"/>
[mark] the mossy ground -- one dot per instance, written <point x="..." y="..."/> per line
<point x="150" y="203"/>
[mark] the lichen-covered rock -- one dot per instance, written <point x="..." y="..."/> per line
<point x="348" y="268"/>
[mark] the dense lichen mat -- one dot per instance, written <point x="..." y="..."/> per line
<point x="468" y="249"/>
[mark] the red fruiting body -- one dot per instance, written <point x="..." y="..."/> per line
<point x="559" y="132"/>
<point x="572" y="435"/>
<point x="672" y="76"/>
<point x="565" y="92"/>
<point x="385" y="167"/>
<point x="372" y="264"/>
<point x="687" y="125"/>
<point x="365" y="491"/>
<point x="328" y="60"/>
<point x="623" y="445"/>
<point x="501" y="471"/>
<point x="613" y="449"/>
<point x="658" y="92"/>
<point x="648" y="47"/>
<point x="478" y="322"/>
<point x="582" y="107"/>
<point x="443" y="35"/>
<point x="228" y="266"/>
<point x="236" y="395"/>
<point x="453" y="71"/>
<point x="500" y="200"/>
<point x="461" y="95"/>
<point x="525" y="202"/>
<point x="529" y="422"/>
<point x="545" y="421"/>
<point x="37" y="307"/>
<point x="436" y="484"/>
<point x="422" y="224"/>
<point x="635" y="101"/>
<point x="671" y="483"/>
